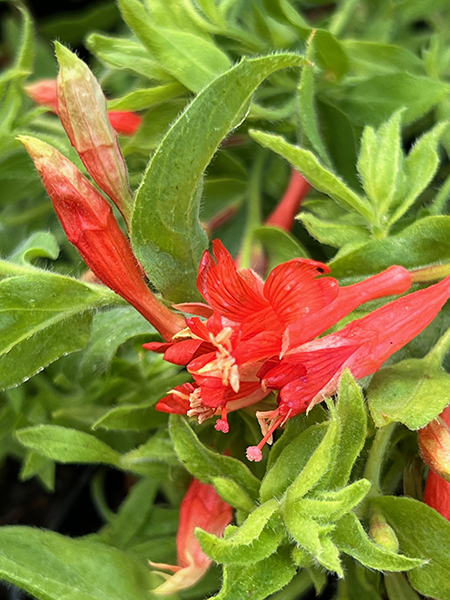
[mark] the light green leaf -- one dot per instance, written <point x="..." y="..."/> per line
<point x="372" y="58"/>
<point x="350" y="537"/>
<point x="142" y="99"/>
<point x="233" y="494"/>
<point x="318" y="175"/>
<point x="157" y="450"/>
<point x="257" y="581"/>
<point x="425" y="534"/>
<point x="380" y="161"/>
<point x="122" y="53"/>
<point x="256" y="539"/>
<point x="50" y="567"/>
<point x="193" y="60"/>
<point x="279" y="245"/>
<point x="66" y="445"/>
<point x="291" y="461"/>
<point x="331" y="506"/>
<point x="205" y="464"/>
<point x="166" y="233"/>
<point x="412" y="392"/>
<point x="420" y="166"/>
<point x="337" y="233"/>
<point x="41" y="244"/>
<point x="43" y="316"/>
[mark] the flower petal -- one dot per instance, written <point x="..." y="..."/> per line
<point x="293" y="290"/>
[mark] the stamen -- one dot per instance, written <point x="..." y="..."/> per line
<point x="222" y="423"/>
<point x="254" y="453"/>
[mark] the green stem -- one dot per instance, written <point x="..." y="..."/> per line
<point x="439" y="350"/>
<point x="254" y="210"/>
<point x="342" y="16"/>
<point x="433" y="273"/>
<point x="376" y="457"/>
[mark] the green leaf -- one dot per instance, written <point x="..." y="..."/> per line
<point x="256" y="539"/>
<point x="336" y="233"/>
<point x="159" y="449"/>
<point x="350" y="537"/>
<point x="132" y="417"/>
<point x="50" y="567"/>
<point x="312" y="537"/>
<point x="37" y="465"/>
<point x="193" y="60"/>
<point x="279" y="245"/>
<point x="43" y="317"/>
<point x="318" y="464"/>
<point x="133" y="514"/>
<point x="331" y="506"/>
<point x="372" y="58"/>
<point x="373" y="101"/>
<point x="166" y="233"/>
<point x="423" y="243"/>
<point x="110" y="329"/>
<point x="122" y="53"/>
<point x="380" y="161"/>
<point x="398" y="588"/>
<point x="66" y="445"/>
<point x="425" y="534"/>
<point x="205" y="464"/>
<point x="257" y="581"/>
<point x="420" y="166"/>
<point x="41" y="244"/>
<point x="291" y="461"/>
<point x="412" y="392"/>
<point x="353" y="430"/>
<point x="331" y="55"/>
<point x="142" y="99"/>
<point x="233" y="494"/>
<point x="24" y="59"/>
<point x="318" y="175"/>
<point x="306" y="109"/>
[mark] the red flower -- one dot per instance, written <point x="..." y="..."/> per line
<point x="310" y="372"/>
<point x="435" y="449"/>
<point x="201" y="507"/>
<point x="250" y="324"/>
<point x="90" y="225"/>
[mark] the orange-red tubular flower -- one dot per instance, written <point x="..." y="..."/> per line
<point x="82" y="110"/>
<point x="90" y="225"/>
<point x="244" y="334"/>
<point x="434" y="447"/>
<point x="201" y="507"/>
<point x="44" y="92"/>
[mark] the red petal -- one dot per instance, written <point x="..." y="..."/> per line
<point x="293" y="290"/>
<point x="395" y="280"/>
<point x="195" y="308"/>
<point x="159" y="347"/>
<point x="233" y="294"/>
<point x="323" y="367"/>
<point x="183" y="352"/>
<point x="258" y="347"/>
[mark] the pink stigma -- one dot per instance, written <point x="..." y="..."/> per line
<point x="254" y="454"/>
<point x="222" y="425"/>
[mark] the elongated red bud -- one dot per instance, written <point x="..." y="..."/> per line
<point x="124" y="121"/>
<point x="83" y="114"/>
<point x="434" y="444"/>
<point x="284" y="213"/>
<point x="90" y="225"/>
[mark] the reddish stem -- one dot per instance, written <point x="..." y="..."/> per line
<point x="284" y="213"/>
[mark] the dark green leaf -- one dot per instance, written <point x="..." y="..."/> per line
<point x="167" y="236"/>
<point x="279" y="245"/>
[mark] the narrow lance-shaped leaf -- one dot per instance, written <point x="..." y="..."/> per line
<point x="319" y="176"/>
<point x="166" y="233"/>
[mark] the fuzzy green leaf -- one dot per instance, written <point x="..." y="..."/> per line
<point x="350" y="537"/>
<point x="233" y="494"/>
<point x="256" y="539"/>
<point x="166" y="234"/>
<point x="412" y="392"/>
<point x="66" y="445"/>
<point x="144" y="98"/>
<point x="372" y="58"/>
<point x="337" y="233"/>
<point x="205" y="464"/>
<point x="257" y="581"/>
<point x="331" y="506"/>
<point x="71" y="568"/>
<point x="317" y="174"/>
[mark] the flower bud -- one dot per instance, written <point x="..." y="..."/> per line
<point x="124" y="121"/>
<point x="82" y="110"/>
<point x="382" y="533"/>
<point x="201" y="507"/>
<point x="437" y="494"/>
<point x="434" y="444"/>
<point x="90" y="225"/>
<point x="44" y="92"/>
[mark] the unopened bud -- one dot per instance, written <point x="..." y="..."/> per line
<point x="88" y="220"/>
<point x="434" y="444"/>
<point x="382" y="533"/>
<point x="124" y="121"/>
<point x="44" y="92"/>
<point x="83" y="114"/>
